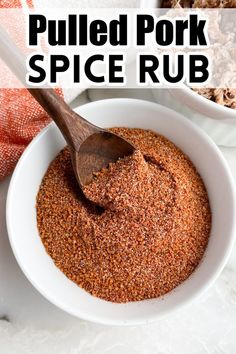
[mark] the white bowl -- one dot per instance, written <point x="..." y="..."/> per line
<point x="39" y="267"/>
<point x="190" y="98"/>
<point x="218" y="121"/>
<point x="222" y="131"/>
<point x="203" y="105"/>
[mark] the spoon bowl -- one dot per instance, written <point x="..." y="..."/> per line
<point x="92" y="148"/>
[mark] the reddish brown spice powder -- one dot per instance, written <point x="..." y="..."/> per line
<point x="148" y="233"/>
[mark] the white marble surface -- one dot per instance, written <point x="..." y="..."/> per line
<point x="30" y="324"/>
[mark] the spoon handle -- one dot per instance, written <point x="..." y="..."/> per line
<point x="74" y="128"/>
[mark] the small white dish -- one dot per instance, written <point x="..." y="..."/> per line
<point x="39" y="267"/>
<point x="218" y="121"/>
<point x="222" y="131"/>
<point x="203" y="105"/>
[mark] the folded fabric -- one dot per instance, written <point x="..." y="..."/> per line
<point x="20" y="117"/>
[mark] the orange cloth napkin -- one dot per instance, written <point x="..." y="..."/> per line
<point x="21" y="117"/>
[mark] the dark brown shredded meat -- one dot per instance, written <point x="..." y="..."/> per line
<point x="223" y="96"/>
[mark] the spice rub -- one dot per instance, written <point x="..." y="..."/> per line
<point x="144" y="230"/>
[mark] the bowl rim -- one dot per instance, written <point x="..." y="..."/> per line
<point x="207" y="107"/>
<point x="186" y="301"/>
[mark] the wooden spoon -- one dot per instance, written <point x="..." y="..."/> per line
<point x="92" y="148"/>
